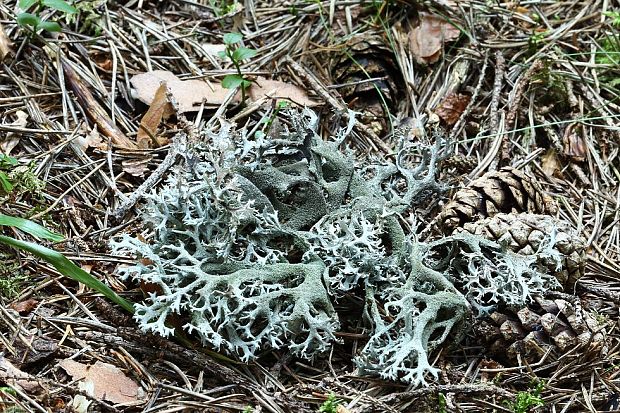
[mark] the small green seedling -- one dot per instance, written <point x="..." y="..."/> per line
<point x="615" y="17"/>
<point x="236" y="54"/>
<point x="526" y="400"/>
<point x="6" y="163"/>
<point x="442" y="403"/>
<point x="222" y="7"/>
<point x="330" y="405"/>
<point x="34" y="21"/>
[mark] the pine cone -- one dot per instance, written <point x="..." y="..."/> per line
<point x="507" y="190"/>
<point x="555" y="327"/>
<point x="528" y="233"/>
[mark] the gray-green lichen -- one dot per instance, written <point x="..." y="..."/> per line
<point x="253" y="239"/>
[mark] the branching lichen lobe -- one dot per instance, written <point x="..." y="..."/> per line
<point x="253" y="239"/>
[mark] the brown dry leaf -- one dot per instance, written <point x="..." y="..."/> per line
<point x="12" y="139"/>
<point x="574" y="145"/>
<point x="91" y="139"/>
<point x="189" y="94"/>
<point x="160" y="109"/>
<point x="452" y="107"/>
<point x="15" y="377"/>
<point x="136" y="167"/>
<point x="427" y="39"/>
<point x="551" y="163"/>
<point x="109" y="382"/>
<point x="25" y="307"/>
<point x="5" y="44"/>
<point x="106" y="65"/>
<point x="281" y="91"/>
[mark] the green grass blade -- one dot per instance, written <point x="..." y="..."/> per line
<point x="30" y="227"/>
<point x="68" y="269"/>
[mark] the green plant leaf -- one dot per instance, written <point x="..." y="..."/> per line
<point x="7" y="161"/>
<point x="50" y="26"/>
<point x="243" y="53"/>
<point x="30" y="227"/>
<point x="25" y="4"/>
<point x="27" y="19"/>
<point x="60" y="5"/>
<point x="232" y="81"/>
<point x="68" y="269"/>
<point x="232" y="38"/>
<point x="5" y="182"/>
<point x="246" y="84"/>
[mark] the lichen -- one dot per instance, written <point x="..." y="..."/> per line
<point x="252" y="240"/>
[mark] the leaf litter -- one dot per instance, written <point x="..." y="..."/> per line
<point x="81" y="136"/>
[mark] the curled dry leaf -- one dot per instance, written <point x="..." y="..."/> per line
<point x="90" y="139"/>
<point x="574" y="145"/>
<point x="108" y="381"/>
<point x="5" y="44"/>
<point x="189" y="94"/>
<point x="12" y="139"/>
<point x="551" y="163"/>
<point x="160" y="109"/>
<point x="25" y="306"/>
<point x="452" y="107"/>
<point x="427" y="39"/>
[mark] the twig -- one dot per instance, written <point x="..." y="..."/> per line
<point x="179" y="143"/>
<point x="94" y="111"/>
<point x="515" y="104"/>
<point x="468" y="389"/>
<point x="474" y="97"/>
<point x="500" y="67"/>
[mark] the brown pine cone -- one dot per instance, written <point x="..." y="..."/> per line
<point x="527" y="234"/>
<point x="555" y="327"/>
<point x="507" y="190"/>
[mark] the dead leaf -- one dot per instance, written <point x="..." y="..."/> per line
<point x="281" y="91"/>
<point x="24" y="307"/>
<point x="488" y="376"/>
<point x="452" y="107"/>
<point x="427" y="39"/>
<point x="12" y="139"/>
<point x="189" y="94"/>
<point x="108" y="381"/>
<point x="5" y="44"/>
<point x="213" y="49"/>
<point x="574" y="145"/>
<point x="551" y="163"/>
<point x="106" y="65"/>
<point x="15" y="377"/>
<point x="90" y="139"/>
<point x="160" y="109"/>
<point x="137" y="167"/>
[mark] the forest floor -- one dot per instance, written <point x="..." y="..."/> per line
<point x="532" y="85"/>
